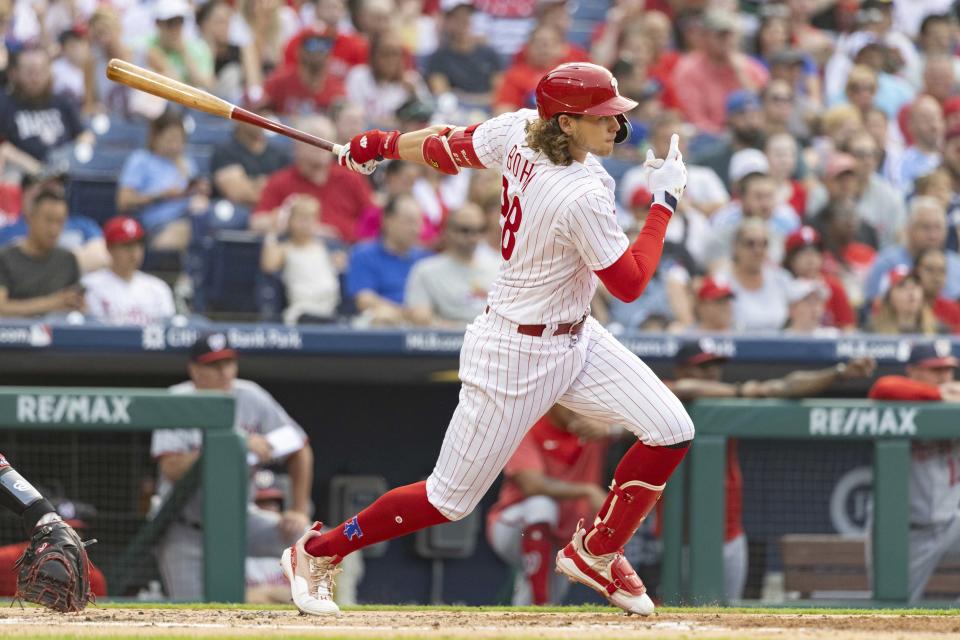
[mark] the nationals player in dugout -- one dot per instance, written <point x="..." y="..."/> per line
<point x="536" y="345"/>
<point x="934" y="464"/>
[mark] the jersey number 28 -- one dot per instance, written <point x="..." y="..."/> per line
<point x="512" y="217"/>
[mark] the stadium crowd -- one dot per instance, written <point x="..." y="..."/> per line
<point x="822" y="139"/>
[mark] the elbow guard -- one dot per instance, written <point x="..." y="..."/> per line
<point x="447" y="153"/>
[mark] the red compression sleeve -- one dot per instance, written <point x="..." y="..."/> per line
<point x="628" y="276"/>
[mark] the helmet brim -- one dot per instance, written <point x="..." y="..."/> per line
<point x="612" y="107"/>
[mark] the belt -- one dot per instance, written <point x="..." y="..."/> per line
<point x="564" y="328"/>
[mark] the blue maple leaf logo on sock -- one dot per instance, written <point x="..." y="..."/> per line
<point x="351" y="529"/>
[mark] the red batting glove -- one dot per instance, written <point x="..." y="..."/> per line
<point x="375" y="145"/>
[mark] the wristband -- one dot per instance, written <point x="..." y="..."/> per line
<point x="665" y="200"/>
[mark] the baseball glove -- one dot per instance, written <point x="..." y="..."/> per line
<point x="54" y="570"/>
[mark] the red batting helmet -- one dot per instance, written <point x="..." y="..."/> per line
<point x="582" y="88"/>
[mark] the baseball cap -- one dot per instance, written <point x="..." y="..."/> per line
<point x="714" y="289"/>
<point x="932" y="355"/>
<point x="742" y="101"/>
<point x="695" y="353"/>
<point x="316" y="42"/>
<point x="122" y="229"/>
<point x="747" y="161"/>
<point x="212" y="347"/>
<point x="446" y="6"/>
<point x="840" y="163"/>
<point x="169" y="9"/>
<point x="720" y="21"/>
<point x="803" y="287"/>
<point x="803" y="237"/>
<point x="641" y="197"/>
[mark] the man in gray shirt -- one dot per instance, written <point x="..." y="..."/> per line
<point x="450" y="289"/>
<point x="36" y="276"/>
<point x="271" y="436"/>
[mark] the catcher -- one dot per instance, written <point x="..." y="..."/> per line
<point x="54" y="569"/>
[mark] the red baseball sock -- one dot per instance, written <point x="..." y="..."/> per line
<point x="396" y="513"/>
<point x="637" y="485"/>
<point x="537" y="549"/>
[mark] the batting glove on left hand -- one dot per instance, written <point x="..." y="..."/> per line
<point x="345" y="159"/>
<point x="668" y="177"/>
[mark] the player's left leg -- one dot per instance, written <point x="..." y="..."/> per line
<point x="617" y="386"/>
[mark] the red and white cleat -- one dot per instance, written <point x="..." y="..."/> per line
<point x="311" y="579"/>
<point x="611" y="575"/>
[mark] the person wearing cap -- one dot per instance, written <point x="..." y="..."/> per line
<point x="462" y="64"/>
<point x="803" y="258"/>
<point x="121" y="293"/>
<point x="383" y="84"/>
<point x="38" y="277"/>
<point x="308" y="86"/>
<point x="902" y="309"/>
<point x="926" y="229"/>
<point x="807" y="305"/>
<point x="704" y="79"/>
<point x="933" y="489"/>
<point x="175" y="55"/>
<point x="744" y="130"/>
<point x="714" y="306"/>
<point x="699" y="374"/>
<point x="271" y="436"/>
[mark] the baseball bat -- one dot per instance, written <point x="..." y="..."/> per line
<point x="169" y="89"/>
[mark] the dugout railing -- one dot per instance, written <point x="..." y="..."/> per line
<point x="223" y="470"/>
<point x="695" y="496"/>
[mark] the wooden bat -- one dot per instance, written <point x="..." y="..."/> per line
<point x="169" y="89"/>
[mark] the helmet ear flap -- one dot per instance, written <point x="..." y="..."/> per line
<point x="625" y="129"/>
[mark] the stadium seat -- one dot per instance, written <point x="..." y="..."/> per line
<point x="108" y="159"/>
<point x="117" y="132"/>
<point x="230" y="267"/>
<point x="93" y="195"/>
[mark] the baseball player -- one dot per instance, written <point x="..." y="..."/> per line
<point x="934" y="465"/>
<point x="536" y="345"/>
<point x="699" y="372"/>
<point x="552" y="481"/>
<point x="271" y="435"/>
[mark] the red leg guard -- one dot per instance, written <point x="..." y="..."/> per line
<point x="638" y="483"/>
<point x="396" y="513"/>
<point x="537" y="549"/>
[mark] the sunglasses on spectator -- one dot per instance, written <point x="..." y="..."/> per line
<point x="755" y="243"/>
<point x="856" y="87"/>
<point x="176" y="21"/>
<point x="474" y="231"/>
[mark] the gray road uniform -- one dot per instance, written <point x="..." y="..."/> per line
<point x="180" y="550"/>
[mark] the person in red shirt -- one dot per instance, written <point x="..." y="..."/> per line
<point x="551" y="482"/>
<point x="699" y="370"/>
<point x="347" y="49"/>
<point x="556" y="13"/>
<point x="307" y="87"/>
<point x="344" y="196"/>
<point x="931" y="269"/>
<point x="545" y="50"/>
<point x="803" y="257"/>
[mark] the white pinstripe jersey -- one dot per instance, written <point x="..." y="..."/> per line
<point x="558" y="225"/>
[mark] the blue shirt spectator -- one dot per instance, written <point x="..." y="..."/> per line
<point x="151" y="174"/>
<point x="77" y="231"/>
<point x="374" y="268"/>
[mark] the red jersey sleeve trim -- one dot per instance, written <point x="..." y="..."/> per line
<point x="903" y="388"/>
<point x="628" y="276"/>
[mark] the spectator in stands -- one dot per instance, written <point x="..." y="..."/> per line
<point x="699" y="374"/>
<point x="926" y="229"/>
<point x="780" y="113"/>
<point x="236" y="70"/>
<point x="844" y="256"/>
<point x="544" y="51"/>
<point x="70" y="68"/>
<point x="308" y="86"/>
<point x="926" y="130"/>
<point x="804" y="260"/>
<point x="160" y="185"/>
<point x="506" y="26"/>
<point x="951" y="164"/>
<point x="174" y="54"/>
<point x="745" y="126"/>
<point x="36" y="276"/>
<point x="714" y="306"/>
<point x="782" y="156"/>
<point x="307" y="268"/>
<point x="122" y="294"/>
<point x="378" y="269"/>
<point x="760" y="287"/>
<point x="271" y="437"/>
<point x="105" y="44"/>
<point x="931" y="269"/>
<point x="33" y="119"/>
<point x="704" y="79"/>
<point x="343" y="194"/>
<point x="450" y="289"/>
<point x="240" y="166"/>
<point x="933" y="517"/>
<point x="557" y="14"/>
<point x="807" y="304"/>
<point x="903" y="308"/>
<point x="383" y="85"/>
<point x="264" y="26"/>
<point x="462" y="64"/>
<point x="840" y="184"/>
<point x="860" y="89"/>
<point x="554" y="479"/>
<point x="938" y="38"/>
<point x="939" y="79"/>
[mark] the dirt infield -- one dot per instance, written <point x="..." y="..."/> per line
<point x="202" y="623"/>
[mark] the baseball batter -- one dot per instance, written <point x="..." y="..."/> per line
<point x="934" y="465"/>
<point x="536" y="344"/>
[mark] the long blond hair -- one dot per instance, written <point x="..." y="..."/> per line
<point x="885" y="318"/>
<point x="548" y="138"/>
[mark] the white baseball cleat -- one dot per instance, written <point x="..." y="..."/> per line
<point x="611" y="575"/>
<point x="311" y="579"/>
